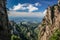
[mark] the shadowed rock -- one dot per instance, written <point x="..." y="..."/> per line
<point x="4" y="29"/>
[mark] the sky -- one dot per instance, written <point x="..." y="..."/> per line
<point x="29" y="7"/>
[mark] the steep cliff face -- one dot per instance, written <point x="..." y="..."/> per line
<point x="50" y="23"/>
<point x="4" y="34"/>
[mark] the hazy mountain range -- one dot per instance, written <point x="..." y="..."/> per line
<point x="27" y="19"/>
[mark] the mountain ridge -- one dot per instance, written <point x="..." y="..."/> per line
<point x="50" y="23"/>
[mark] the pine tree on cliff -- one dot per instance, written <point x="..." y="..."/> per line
<point x="4" y="30"/>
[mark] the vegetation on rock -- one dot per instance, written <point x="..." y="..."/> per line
<point x="25" y="31"/>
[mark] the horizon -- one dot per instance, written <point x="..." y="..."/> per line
<point x="16" y="7"/>
<point x="29" y="6"/>
<point x="21" y="8"/>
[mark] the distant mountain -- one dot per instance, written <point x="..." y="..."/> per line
<point x="27" y="19"/>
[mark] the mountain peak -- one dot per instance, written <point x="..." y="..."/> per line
<point x="50" y="23"/>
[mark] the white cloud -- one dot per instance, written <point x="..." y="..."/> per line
<point x="32" y="8"/>
<point x="18" y="7"/>
<point x="37" y="4"/>
<point x="44" y="13"/>
<point x="25" y="6"/>
<point x="25" y="14"/>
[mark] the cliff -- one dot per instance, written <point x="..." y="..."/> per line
<point x="50" y="23"/>
<point x="4" y="29"/>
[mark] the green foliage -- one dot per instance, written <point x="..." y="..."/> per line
<point x="14" y="37"/>
<point x="56" y="35"/>
<point x="43" y="24"/>
<point x="26" y="31"/>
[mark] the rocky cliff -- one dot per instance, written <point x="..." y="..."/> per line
<point x="4" y="30"/>
<point x="50" y="23"/>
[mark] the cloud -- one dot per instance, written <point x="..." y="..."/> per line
<point x="37" y="4"/>
<point x="27" y="14"/>
<point x="26" y="6"/>
<point x="44" y="13"/>
<point x="32" y="8"/>
<point x="18" y="7"/>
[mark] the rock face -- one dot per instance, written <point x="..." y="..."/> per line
<point x="50" y="23"/>
<point x="4" y="30"/>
